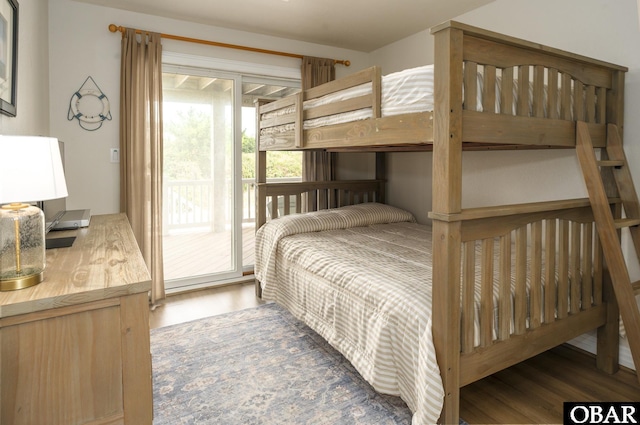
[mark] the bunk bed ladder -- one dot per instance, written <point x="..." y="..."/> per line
<point x="625" y="291"/>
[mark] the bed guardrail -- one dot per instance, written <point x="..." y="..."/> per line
<point x="522" y="269"/>
<point x="278" y="199"/>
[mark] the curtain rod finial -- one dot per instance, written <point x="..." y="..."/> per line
<point x="348" y="62"/>
<point x="114" y="28"/>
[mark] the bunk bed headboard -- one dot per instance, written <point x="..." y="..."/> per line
<point x="279" y="199"/>
<point x="524" y="85"/>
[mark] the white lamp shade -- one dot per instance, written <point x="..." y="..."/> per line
<point x="30" y="169"/>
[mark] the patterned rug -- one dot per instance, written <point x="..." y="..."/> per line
<point x="260" y="366"/>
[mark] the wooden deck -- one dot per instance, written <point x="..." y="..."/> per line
<point x="198" y="253"/>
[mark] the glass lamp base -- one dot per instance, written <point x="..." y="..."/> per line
<point x="22" y="246"/>
<point x="21" y="282"/>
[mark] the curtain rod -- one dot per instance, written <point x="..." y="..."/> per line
<point x="114" y="28"/>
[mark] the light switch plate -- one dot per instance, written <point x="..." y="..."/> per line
<point x="115" y="155"/>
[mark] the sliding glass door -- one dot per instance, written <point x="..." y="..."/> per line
<point x="208" y="180"/>
<point x="198" y="179"/>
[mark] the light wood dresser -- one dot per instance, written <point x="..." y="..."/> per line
<point x="75" y="348"/>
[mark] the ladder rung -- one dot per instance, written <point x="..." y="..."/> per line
<point x="626" y="222"/>
<point x="636" y="287"/>
<point x="611" y="163"/>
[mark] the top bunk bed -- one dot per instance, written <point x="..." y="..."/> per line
<point x="476" y="82"/>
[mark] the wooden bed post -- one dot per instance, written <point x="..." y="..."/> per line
<point x="261" y="179"/>
<point x="261" y="173"/>
<point x="447" y="200"/>
<point x="381" y="174"/>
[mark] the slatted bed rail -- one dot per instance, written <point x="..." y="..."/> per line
<point x="527" y="269"/>
<point x="371" y="100"/>
<point x="278" y="199"/>
<point x="275" y="116"/>
<point x="521" y="275"/>
<point x="281" y="122"/>
<point x="513" y="94"/>
<point x="533" y="98"/>
<point x="546" y="92"/>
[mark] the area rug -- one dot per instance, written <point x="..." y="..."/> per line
<point x="260" y="366"/>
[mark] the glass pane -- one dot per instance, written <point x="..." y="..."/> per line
<point x="198" y="219"/>
<point x="248" y="185"/>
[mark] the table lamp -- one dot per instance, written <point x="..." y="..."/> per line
<point x="30" y="171"/>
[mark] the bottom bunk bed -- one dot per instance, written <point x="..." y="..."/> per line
<point x="532" y="277"/>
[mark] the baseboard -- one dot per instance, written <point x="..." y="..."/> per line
<point x="588" y="342"/>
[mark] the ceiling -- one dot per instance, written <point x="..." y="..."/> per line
<point x="198" y="89"/>
<point x="362" y="25"/>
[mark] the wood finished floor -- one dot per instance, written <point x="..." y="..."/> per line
<point x="531" y="392"/>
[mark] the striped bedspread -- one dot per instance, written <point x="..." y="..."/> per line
<point x="363" y="284"/>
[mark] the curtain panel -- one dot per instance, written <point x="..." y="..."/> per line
<point x="317" y="165"/>
<point x="141" y="148"/>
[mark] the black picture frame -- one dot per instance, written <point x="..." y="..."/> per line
<point x="8" y="56"/>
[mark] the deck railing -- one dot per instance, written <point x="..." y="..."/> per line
<point x="194" y="203"/>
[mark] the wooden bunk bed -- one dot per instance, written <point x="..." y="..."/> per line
<point x="479" y="102"/>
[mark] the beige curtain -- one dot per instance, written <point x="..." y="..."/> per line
<point x="141" y="148"/>
<point x="317" y="165"/>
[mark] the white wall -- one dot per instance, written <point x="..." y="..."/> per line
<point x="32" y="98"/>
<point x="81" y="46"/>
<point x="410" y="52"/>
